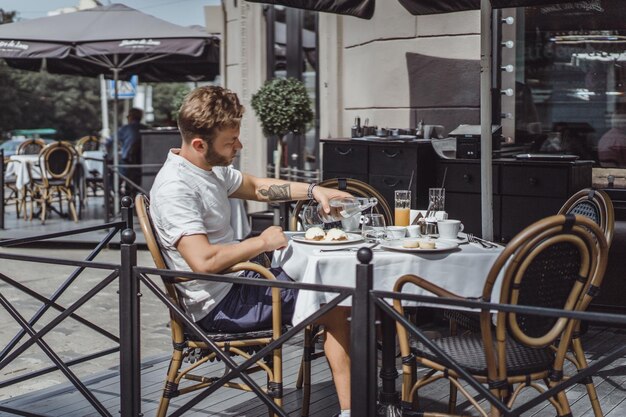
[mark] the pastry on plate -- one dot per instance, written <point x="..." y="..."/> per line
<point x="335" y="234"/>
<point x="315" y="233"/>
<point x="411" y="243"/>
<point x="427" y="244"/>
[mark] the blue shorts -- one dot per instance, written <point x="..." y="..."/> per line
<point x="249" y="307"/>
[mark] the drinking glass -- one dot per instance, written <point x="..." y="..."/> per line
<point x="436" y="199"/>
<point x="311" y="217"/>
<point x="402" y="211"/>
<point x="373" y="227"/>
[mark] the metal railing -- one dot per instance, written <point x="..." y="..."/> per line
<point x="13" y="349"/>
<point x="369" y="306"/>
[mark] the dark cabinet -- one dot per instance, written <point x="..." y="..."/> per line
<point x="386" y="166"/>
<point x="523" y="191"/>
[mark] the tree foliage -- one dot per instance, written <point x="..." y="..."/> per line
<point x="30" y="100"/>
<point x="166" y="100"/>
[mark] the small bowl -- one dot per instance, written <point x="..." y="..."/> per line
<point x="395" y="232"/>
<point x="413" y="231"/>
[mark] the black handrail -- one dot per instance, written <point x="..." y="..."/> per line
<point x="367" y="305"/>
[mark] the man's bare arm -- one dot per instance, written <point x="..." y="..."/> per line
<point x="202" y="256"/>
<point x="270" y="189"/>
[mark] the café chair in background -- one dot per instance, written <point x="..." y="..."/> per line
<point x="356" y="188"/>
<point x="313" y="334"/>
<point x="594" y="204"/>
<point x="558" y="262"/>
<point x="11" y="194"/>
<point x="31" y="147"/>
<point x="57" y="162"/>
<point x="87" y="143"/>
<point x="187" y="346"/>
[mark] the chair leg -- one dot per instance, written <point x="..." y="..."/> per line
<point x="304" y="375"/>
<point x="171" y="386"/>
<point x="591" y="389"/>
<point x="44" y="206"/>
<point x="70" y="203"/>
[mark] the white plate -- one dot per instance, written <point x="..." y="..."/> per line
<point x="440" y="246"/>
<point x="462" y="238"/>
<point x="352" y="238"/>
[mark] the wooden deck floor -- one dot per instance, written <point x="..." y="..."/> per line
<point x="67" y="402"/>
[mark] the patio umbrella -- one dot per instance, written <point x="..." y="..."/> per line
<point x="113" y="40"/>
<point x="365" y="9"/>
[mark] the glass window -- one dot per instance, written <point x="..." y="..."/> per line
<point x="292" y="52"/>
<point x="570" y="70"/>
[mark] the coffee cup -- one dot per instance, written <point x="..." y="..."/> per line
<point x="449" y="229"/>
<point x="413" y="230"/>
<point x="396" y="232"/>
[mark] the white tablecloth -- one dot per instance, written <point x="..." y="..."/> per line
<point x="92" y="161"/>
<point x="461" y="271"/>
<point x="19" y="166"/>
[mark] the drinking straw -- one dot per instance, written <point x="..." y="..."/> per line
<point x="443" y="182"/>
<point x="411" y="180"/>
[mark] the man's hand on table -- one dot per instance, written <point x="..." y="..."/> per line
<point x="273" y="238"/>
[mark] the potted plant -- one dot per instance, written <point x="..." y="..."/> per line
<point x="282" y="106"/>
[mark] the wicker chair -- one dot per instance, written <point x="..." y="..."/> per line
<point x="87" y="143"/>
<point x="57" y="162"/>
<point x="312" y="334"/>
<point x="31" y="147"/>
<point x="11" y="193"/>
<point x="355" y="187"/>
<point x="595" y="204"/>
<point x="557" y="262"/>
<point x="237" y="344"/>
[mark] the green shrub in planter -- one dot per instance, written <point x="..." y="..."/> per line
<point x="282" y="106"/>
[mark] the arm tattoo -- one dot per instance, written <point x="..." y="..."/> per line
<point x="277" y="192"/>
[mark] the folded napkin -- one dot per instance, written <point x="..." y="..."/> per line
<point x="419" y="214"/>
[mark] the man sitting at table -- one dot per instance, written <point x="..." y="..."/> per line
<point x="191" y="212"/>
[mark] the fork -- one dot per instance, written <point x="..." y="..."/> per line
<point x="474" y="239"/>
<point x="485" y="244"/>
<point x="352" y="249"/>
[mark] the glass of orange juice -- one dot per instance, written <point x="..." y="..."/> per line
<point x="402" y="207"/>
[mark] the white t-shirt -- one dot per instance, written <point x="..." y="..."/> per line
<point x="187" y="200"/>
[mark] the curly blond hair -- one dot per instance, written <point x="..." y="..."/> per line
<point x="207" y="110"/>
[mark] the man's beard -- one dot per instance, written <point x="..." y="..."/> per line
<point x="216" y="160"/>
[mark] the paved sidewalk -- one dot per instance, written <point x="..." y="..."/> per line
<point x="71" y="339"/>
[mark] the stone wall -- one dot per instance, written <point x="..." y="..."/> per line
<point x="397" y="69"/>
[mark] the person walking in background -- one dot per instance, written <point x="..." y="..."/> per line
<point x="129" y="137"/>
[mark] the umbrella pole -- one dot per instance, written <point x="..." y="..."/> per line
<point x="486" y="171"/>
<point x="116" y="176"/>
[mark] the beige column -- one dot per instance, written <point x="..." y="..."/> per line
<point x="244" y="68"/>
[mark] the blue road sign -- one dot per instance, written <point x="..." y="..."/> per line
<point x="125" y="89"/>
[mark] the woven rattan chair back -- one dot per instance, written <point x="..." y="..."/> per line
<point x="242" y="344"/>
<point x="87" y="143"/>
<point x="354" y="187"/>
<point x="30" y="147"/>
<point x="595" y="204"/>
<point x="57" y="160"/>
<point x="553" y="263"/>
